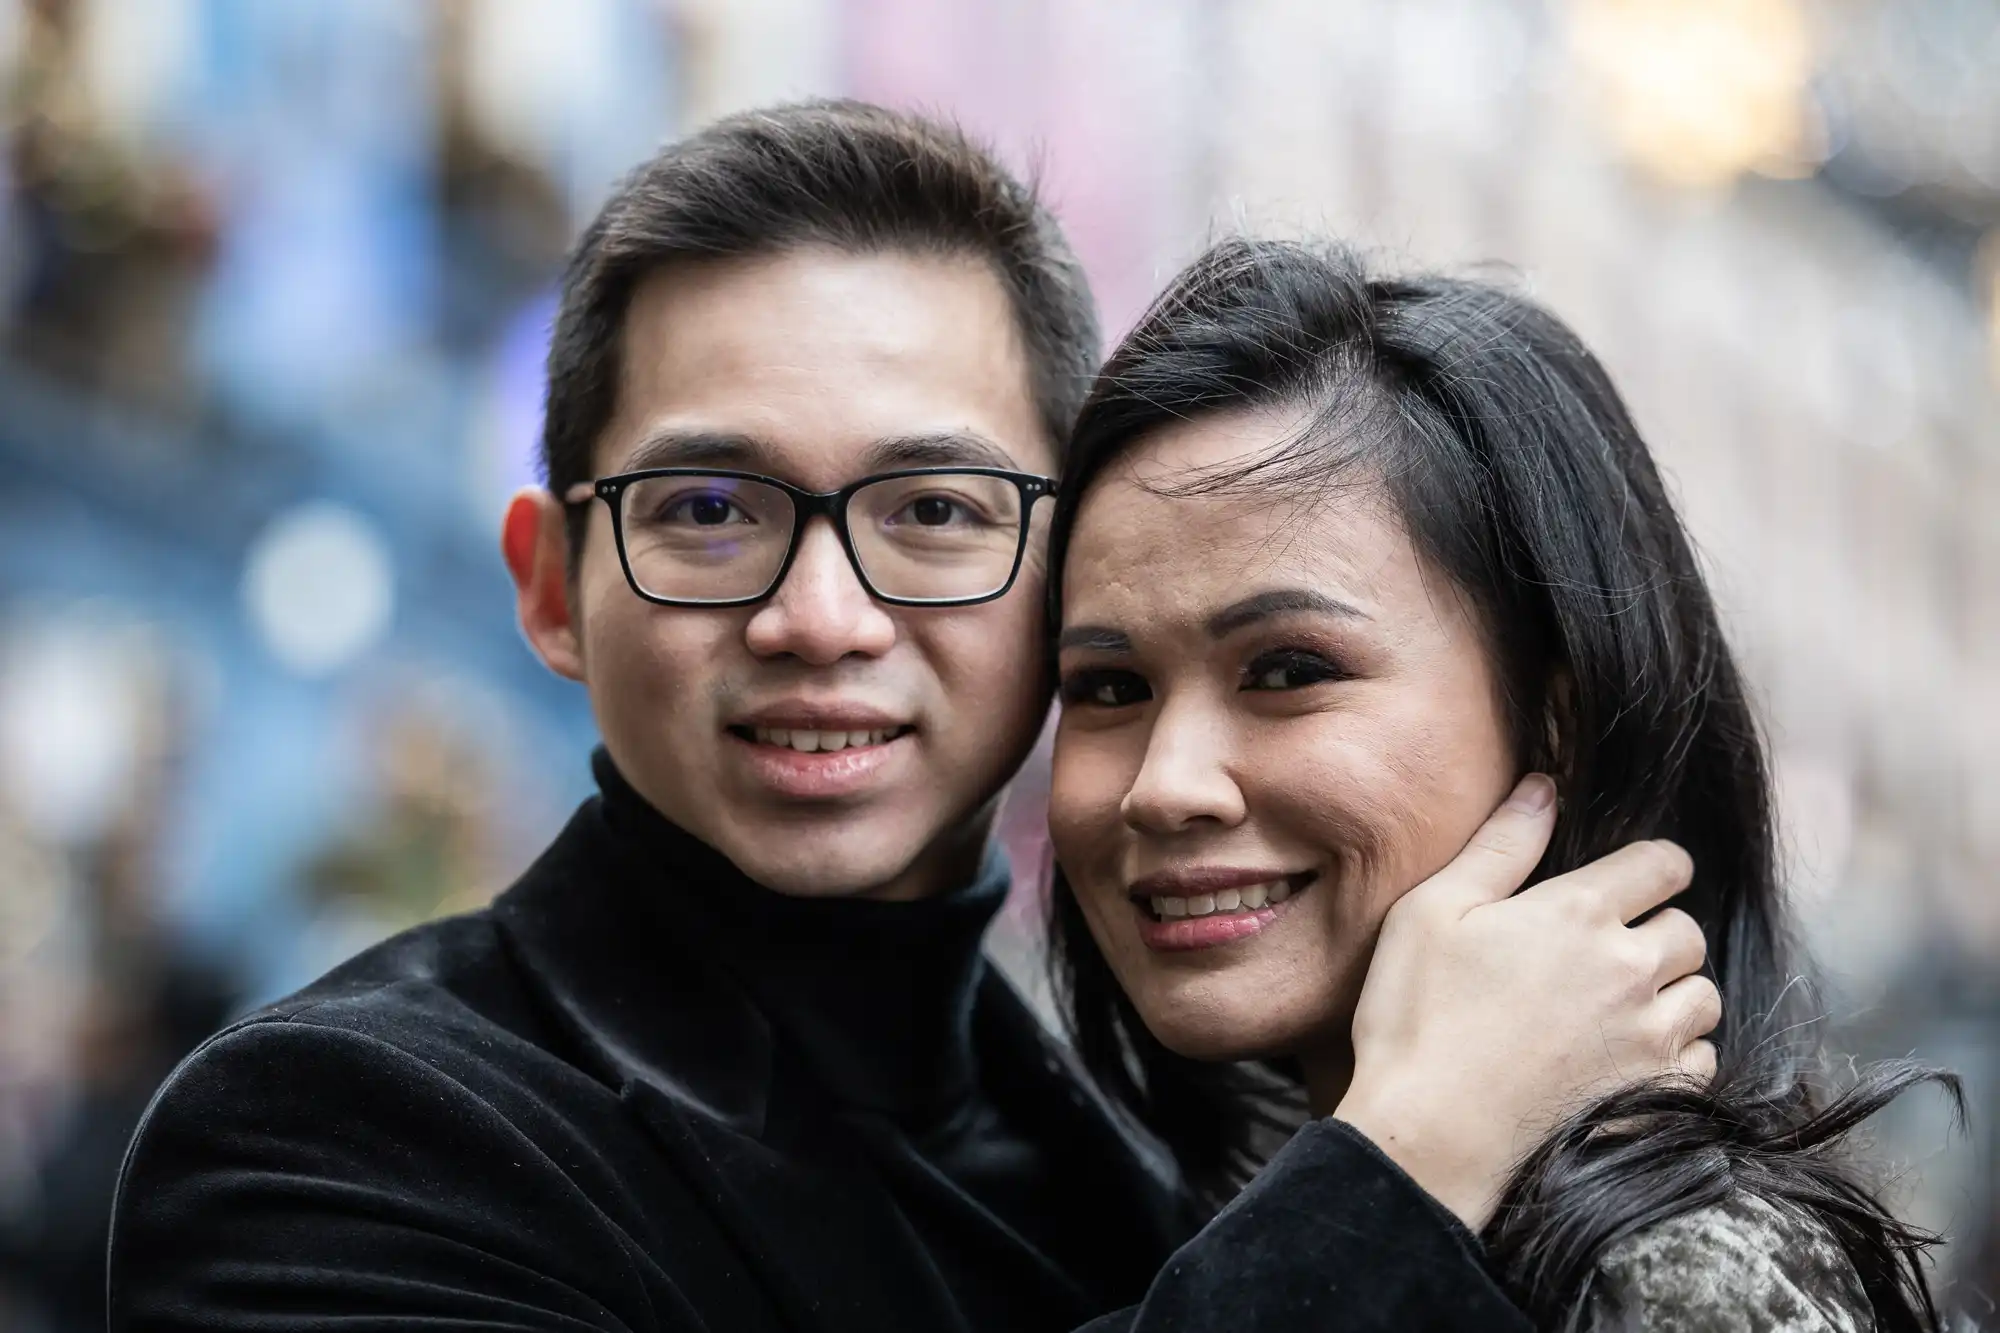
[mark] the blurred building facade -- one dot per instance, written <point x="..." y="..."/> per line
<point x="274" y="285"/>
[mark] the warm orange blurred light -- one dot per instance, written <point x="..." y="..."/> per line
<point x="1698" y="92"/>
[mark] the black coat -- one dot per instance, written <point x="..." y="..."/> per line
<point x="564" y="1113"/>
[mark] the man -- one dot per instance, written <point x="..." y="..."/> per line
<point x="727" y="1057"/>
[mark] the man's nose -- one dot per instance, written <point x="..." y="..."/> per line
<point x="820" y="613"/>
<point x="1184" y="778"/>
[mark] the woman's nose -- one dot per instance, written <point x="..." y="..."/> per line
<point x="1185" y="777"/>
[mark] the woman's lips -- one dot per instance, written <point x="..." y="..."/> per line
<point x="1203" y="932"/>
<point x="1172" y="923"/>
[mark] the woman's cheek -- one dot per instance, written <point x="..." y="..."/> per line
<point x="1087" y="785"/>
<point x="1343" y="791"/>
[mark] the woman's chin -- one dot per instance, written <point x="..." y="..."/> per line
<point x="1221" y="1036"/>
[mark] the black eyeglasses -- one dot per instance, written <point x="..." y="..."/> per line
<point x="939" y="536"/>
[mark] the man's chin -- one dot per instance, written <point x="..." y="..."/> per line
<point x="867" y="878"/>
<point x="840" y="858"/>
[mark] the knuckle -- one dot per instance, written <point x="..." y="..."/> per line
<point x="1681" y="937"/>
<point x="1699" y="1059"/>
<point x="1666" y="1031"/>
<point x="1692" y="1012"/>
<point x="1633" y="962"/>
<point x="1706" y="1004"/>
<point x="1495" y="839"/>
<point x="1688" y="928"/>
<point x="1669" y="862"/>
<point x="1590" y="910"/>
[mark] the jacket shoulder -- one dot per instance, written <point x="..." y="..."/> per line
<point x="430" y="1030"/>
<point x="286" y="1168"/>
<point x="1746" y="1263"/>
<point x="448" y="992"/>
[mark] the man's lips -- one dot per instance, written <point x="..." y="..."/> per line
<point x="827" y="715"/>
<point x="825" y="752"/>
<point x="818" y="740"/>
<point x="819" y="726"/>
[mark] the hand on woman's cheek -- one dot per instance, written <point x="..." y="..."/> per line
<point x="1277" y="695"/>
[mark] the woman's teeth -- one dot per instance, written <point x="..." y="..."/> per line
<point x="1246" y="899"/>
<point x="815" y="742"/>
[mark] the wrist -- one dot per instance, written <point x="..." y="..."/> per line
<point x="1442" y="1163"/>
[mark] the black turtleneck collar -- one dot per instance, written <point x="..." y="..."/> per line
<point x="875" y="996"/>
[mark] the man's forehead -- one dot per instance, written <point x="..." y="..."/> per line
<point x="821" y="366"/>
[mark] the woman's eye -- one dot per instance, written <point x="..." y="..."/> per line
<point x="1290" y="670"/>
<point x="1105" y="689"/>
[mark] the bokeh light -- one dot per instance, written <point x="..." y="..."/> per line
<point x="319" y="586"/>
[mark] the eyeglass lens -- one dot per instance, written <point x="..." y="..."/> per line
<point x="935" y="537"/>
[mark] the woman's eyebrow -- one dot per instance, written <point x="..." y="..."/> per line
<point x="1095" y="638"/>
<point x="1277" y="602"/>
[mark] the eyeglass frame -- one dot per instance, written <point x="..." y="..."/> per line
<point x="806" y="506"/>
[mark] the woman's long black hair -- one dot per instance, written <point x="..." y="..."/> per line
<point x="1520" y="476"/>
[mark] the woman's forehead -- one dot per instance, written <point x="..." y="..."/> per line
<point x="1212" y="440"/>
<point x="1142" y="553"/>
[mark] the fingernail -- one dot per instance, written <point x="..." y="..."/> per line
<point x="1534" y="795"/>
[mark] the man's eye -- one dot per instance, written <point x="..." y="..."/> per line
<point x="1290" y="670"/>
<point x="1105" y="689"/>
<point x="936" y="511"/>
<point x="697" y="509"/>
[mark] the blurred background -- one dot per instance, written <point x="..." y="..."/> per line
<point x="275" y="280"/>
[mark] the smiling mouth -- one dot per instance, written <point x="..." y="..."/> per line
<point x="818" y="741"/>
<point x="1225" y="902"/>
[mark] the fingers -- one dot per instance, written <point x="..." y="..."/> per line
<point x="1631" y="881"/>
<point x="1697" y="1061"/>
<point x="1674" y="943"/>
<point x="1503" y="853"/>
<point x="1691" y="1008"/>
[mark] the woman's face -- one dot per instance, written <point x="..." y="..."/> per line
<point x="1276" y="721"/>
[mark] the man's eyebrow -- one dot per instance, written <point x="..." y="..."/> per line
<point x="1094" y="638"/>
<point x="731" y="449"/>
<point x="939" y="449"/>
<point x="698" y="448"/>
<point x="1278" y="602"/>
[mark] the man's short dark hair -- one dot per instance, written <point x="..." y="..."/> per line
<point x="843" y="174"/>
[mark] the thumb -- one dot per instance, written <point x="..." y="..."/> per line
<point x="1503" y="853"/>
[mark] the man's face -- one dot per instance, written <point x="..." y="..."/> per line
<point x="820" y="367"/>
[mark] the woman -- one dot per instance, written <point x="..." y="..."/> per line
<point x="1339" y="560"/>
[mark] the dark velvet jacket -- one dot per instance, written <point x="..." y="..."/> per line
<point x="600" y="1104"/>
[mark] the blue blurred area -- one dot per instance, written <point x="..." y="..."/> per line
<point x="275" y="299"/>
<point x="340" y="315"/>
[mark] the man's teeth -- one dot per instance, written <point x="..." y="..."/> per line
<point x="813" y="742"/>
<point x="1247" y="899"/>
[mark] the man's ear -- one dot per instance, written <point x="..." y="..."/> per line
<point x="534" y="541"/>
